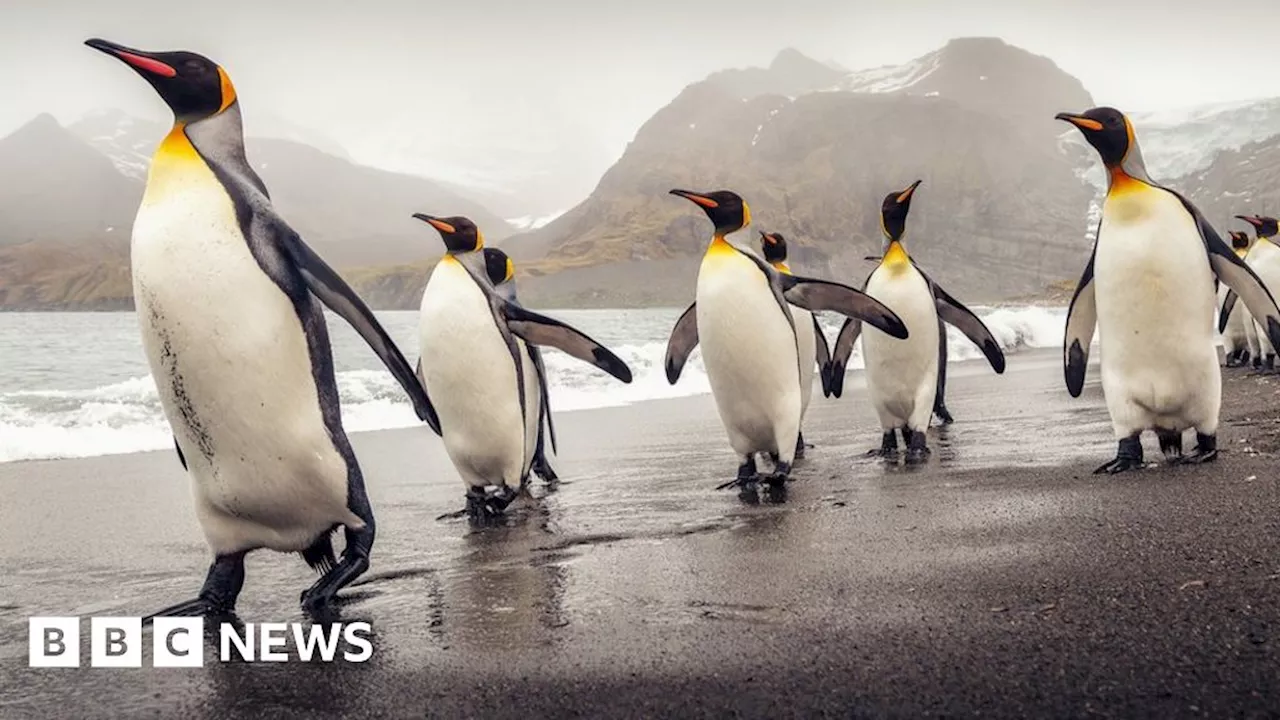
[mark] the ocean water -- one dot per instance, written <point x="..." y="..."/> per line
<point x="77" y="384"/>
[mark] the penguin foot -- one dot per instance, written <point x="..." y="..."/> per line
<point x="485" y="506"/>
<point x="1206" y="450"/>
<point x="888" y="446"/>
<point x="748" y="476"/>
<point x="1128" y="457"/>
<point x="1269" y="364"/>
<point x="780" y="476"/>
<point x="1170" y="445"/>
<point x="543" y="469"/>
<point x="917" y="449"/>
<point x="944" y="416"/>
<point x="801" y="446"/>
<point x="222" y="586"/>
<point x="1256" y="362"/>
<point x="320" y="595"/>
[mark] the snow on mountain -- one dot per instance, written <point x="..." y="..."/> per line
<point x="892" y="78"/>
<point x="531" y="222"/>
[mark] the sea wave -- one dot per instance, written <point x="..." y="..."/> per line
<point x="126" y="416"/>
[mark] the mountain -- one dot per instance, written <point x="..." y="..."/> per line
<point x="814" y="150"/>
<point x="1238" y="182"/>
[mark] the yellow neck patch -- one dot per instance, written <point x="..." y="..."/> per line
<point x="719" y="246"/>
<point x="228" y="90"/>
<point x="895" y="255"/>
<point x="175" y="158"/>
<point x="782" y="267"/>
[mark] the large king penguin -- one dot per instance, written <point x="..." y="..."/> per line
<point x="229" y="301"/>
<point x="742" y="318"/>
<point x="811" y="342"/>
<point x="475" y="365"/>
<point x="903" y="377"/>
<point x="1235" y="334"/>
<point x="1264" y="259"/>
<point x="1149" y="290"/>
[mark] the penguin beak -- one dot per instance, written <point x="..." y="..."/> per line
<point x="906" y="194"/>
<point x="700" y="199"/>
<point x="1253" y="220"/>
<point x="436" y="223"/>
<point x="144" y="62"/>
<point x="768" y="237"/>
<point x="1080" y="121"/>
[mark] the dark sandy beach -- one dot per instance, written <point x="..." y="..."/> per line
<point x="1002" y="579"/>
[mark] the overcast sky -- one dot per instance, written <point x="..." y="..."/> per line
<point x="375" y="73"/>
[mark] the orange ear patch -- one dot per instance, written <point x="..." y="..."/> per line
<point x="228" y="90"/>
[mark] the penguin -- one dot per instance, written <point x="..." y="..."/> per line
<point x="742" y="318"/>
<point x="1263" y="259"/>
<point x="229" y="300"/>
<point x="501" y="273"/>
<point x="811" y="342"/>
<point x="903" y="377"/>
<point x="1235" y="339"/>
<point x="1149" y="289"/>
<point x="473" y="340"/>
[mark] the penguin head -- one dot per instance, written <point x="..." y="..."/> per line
<point x="893" y="212"/>
<point x="498" y="266"/>
<point x="1266" y="227"/>
<point x="1239" y="240"/>
<point x="774" y="247"/>
<point x="460" y="234"/>
<point x="1107" y="130"/>
<point x="726" y="209"/>
<point x="193" y="86"/>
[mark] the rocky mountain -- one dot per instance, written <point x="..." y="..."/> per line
<point x="1238" y="182"/>
<point x="814" y="150"/>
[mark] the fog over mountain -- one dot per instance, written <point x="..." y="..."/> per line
<point x="566" y="122"/>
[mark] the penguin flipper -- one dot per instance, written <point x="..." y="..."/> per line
<point x="823" y="354"/>
<point x="1082" y="318"/>
<point x="535" y="354"/>
<point x="964" y="320"/>
<point x="821" y="295"/>
<point x="542" y="330"/>
<point x="338" y="296"/>
<point x="1230" y="269"/>
<point x="834" y="372"/>
<point x="1228" y="304"/>
<point x="684" y="338"/>
<point x="181" y="458"/>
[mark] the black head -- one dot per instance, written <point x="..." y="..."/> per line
<point x="1266" y="227"/>
<point x="1107" y="130"/>
<point x="1239" y="240"/>
<point x="460" y="234"/>
<point x="498" y="266"/>
<point x="774" y="247"/>
<point x="726" y="209"/>
<point x="192" y="85"/>
<point x="894" y="209"/>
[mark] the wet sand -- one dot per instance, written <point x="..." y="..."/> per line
<point x="1002" y="578"/>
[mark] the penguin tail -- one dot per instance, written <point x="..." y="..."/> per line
<point x="319" y="555"/>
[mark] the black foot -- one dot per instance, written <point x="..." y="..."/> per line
<point x="748" y="475"/>
<point x="917" y="449"/>
<point x="778" y="479"/>
<point x="943" y="414"/>
<point x="1269" y="364"/>
<point x="801" y="446"/>
<point x="222" y="586"/>
<point x="1206" y="450"/>
<point x="485" y="506"/>
<point x="1128" y="457"/>
<point x="355" y="561"/>
<point x="1170" y="445"/>
<point x="888" y="446"/>
<point x="543" y="469"/>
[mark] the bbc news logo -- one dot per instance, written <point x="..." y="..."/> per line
<point x="179" y="642"/>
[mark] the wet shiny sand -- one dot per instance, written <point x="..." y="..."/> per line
<point x="1001" y="578"/>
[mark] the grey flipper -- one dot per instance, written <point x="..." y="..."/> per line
<point x="1238" y="276"/>
<point x="1082" y="319"/>
<point x="834" y="373"/>
<point x="1228" y="304"/>
<point x="823" y="354"/>
<point x="181" y="458"/>
<point x="535" y="354"/>
<point x="684" y="338"/>
<point x="822" y="295"/>
<point x="963" y="319"/>
<point x="542" y="330"/>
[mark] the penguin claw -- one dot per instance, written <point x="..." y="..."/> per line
<point x="1200" y="457"/>
<point x="1119" y="465"/>
<point x="196" y="607"/>
<point x="747" y="484"/>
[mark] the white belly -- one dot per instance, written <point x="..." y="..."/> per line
<point x="807" y="351"/>
<point x="471" y="380"/>
<point x="902" y="375"/>
<point x="749" y="351"/>
<point x="1264" y="258"/>
<point x="1155" y="303"/>
<point x="233" y="373"/>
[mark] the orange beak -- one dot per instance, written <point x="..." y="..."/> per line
<point x="702" y="200"/>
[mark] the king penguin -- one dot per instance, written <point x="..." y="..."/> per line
<point x="1264" y="259"/>
<point x="229" y="300"/>
<point x="902" y="377"/>
<point x="1149" y="289"/>
<point x="1235" y="335"/>
<point x="742" y="318"/>
<point x="811" y="342"/>
<point x="473" y="342"/>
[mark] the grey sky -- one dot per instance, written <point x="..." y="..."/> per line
<point x="378" y="75"/>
